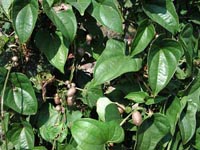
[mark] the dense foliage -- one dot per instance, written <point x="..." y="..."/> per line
<point x="100" y="74"/>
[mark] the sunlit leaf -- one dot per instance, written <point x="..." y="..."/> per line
<point x="163" y="60"/>
<point x="24" y="16"/>
<point x="163" y="12"/>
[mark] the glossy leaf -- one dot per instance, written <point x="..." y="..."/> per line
<point x="163" y="60"/>
<point x="93" y="134"/>
<point x="151" y="131"/>
<point x="143" y="37"/>
<point x="50" y="125"/>
<point x="64" y="20"/>
<point x="107" y="110"/>
<point x="91" y="94"/>
<point x="21" y="135"/>
<point x="20" y="96"/>
<point x="138" y="97"/>
<point x="24" y="16"/>
<point x="80" y="5"/>
<point x="187" y="123"/>
<point x="107" y="16"/>
<point x="163" y="12"/>
<point x="54" y="47"/>
<point x="174" y="111"/>
<point x="113" y="62"/>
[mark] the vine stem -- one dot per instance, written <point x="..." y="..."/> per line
<point x="2" y="103"/>
<point x="3" y="91"/>
<point x="125" y="119"/>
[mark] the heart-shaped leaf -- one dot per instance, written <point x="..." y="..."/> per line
<point x="144" y="35"/>
<point x="24" y="16"/>
<point x="163" y="59"/>
<point x="187" y="123"/>
<point x="93" y="134"/>
<point x="163" y="12"/>
<point x="64" y="20"/>
<point x="113" y="62"/>
<point x="108" y="16"/>
<point x="80" y="5"/>
<point x="19" y="95"/>
<point x="21" y="135"/>
<point x="151" y="131"/>
<point x="54" y="47"/>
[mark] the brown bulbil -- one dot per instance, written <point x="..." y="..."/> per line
<point x="14" y="58"/>
<point x="137" y="118"/>
<point x="57" y="99"/>
<point x="71" y="92"/>
<point x="70" y="101"/>
<point x="58" y="108"/>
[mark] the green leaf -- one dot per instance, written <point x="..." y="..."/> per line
<point x="163" y="60"/>
<point x="21" y="135"/>
<point x="73" y="116"/>
<point x="151" y="131"/>
<point x="197" y="139"/>
<point x="6" y="4"/>
<point x="20" y="96"/>
<point x="80" y="5"/>
<point x="3" y="40"/>
<point x="174" y="111"/>
<point x="108" y="16"/>
<point x="50" y="124"/>
<point x="157" y="99"/>
<point x="145" y="33"/>
<point x="24" y="16"/>
<point x="113" y="62"/>
<point x="138" y="97"/>
<point x="176" y="141"/>
<point x="50" y="2"/>
<point x="39" y="148"/>
<point x="54" y="47"/>
<point x="190" y="46"/>
<point x="64" y="20"/>
<point x="91" y="94"/>
<point x="107" y="110"/>
<point x="193" y="91"/>
<point x="187" y="123"/>
<point x="96" y="133"/>
<point x="163" y="12"/>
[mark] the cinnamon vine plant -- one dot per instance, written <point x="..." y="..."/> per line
<point x="100" y="74"/>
